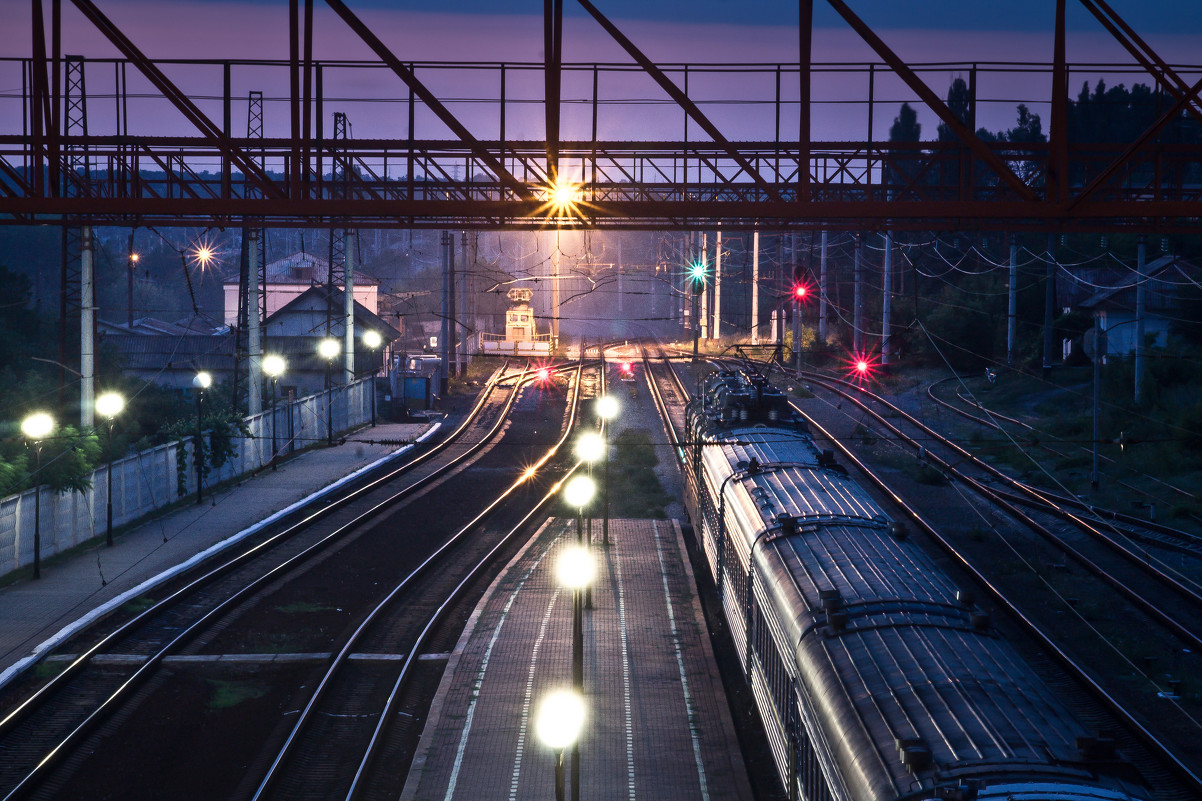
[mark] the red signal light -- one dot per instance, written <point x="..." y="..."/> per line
<point x="544" y="375"/>
<point x="861" y="367"/>
<point x="800" y="292"/>
<point x="627" y="367"/>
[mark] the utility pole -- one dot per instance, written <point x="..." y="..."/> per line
<point x="755" y="288"/>
<point x="1012" y="311"/>
<point x="87" y="330"/>
<point x="703" y="315"/>
<point x="1049" y="306"/>
<point x="887" y="300"/>
<point x="858" y="299"/>
<point x="822" y="289"/>
<point x="718" y="283"/>
<point x="348" y="304"/>
<point x="254" y="340"/>
<point x="1141" y="278"/>
<point x="444" y="339"/>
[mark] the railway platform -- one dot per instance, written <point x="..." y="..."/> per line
<point x="82" y="584"/>
<point x="658" y="724"/>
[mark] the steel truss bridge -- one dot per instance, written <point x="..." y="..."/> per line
<point x="709" y="143"/>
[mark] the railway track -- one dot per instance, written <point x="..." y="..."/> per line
<point x="1168" y="603"/>
<point x="1006" y="425"/>
<point x="59" y="738"/>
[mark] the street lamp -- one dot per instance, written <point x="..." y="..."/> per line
<point x="578" y="492"/>
<point x="200" y="382"/>
<point x="328" y="349"/>
<point x="575" y="570"/>
<point x="37" y="427"/>
<point x="607" y="409"/>
<point x="108" y="406"/>
<point x="557" y="723"/>
<point x="274" y="367"/>
<point x="372" y="340"/>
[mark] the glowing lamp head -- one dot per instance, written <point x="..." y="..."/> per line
<point x="328" y="348"/>
<point x="607" y="405"/>
<point x="861" y="366"/>
<point x="134" y="257"/>
<point x="697" y="271"/>
<point x="274" y="365"/>
<point x="544" y="375"/>
<point x="37" y="425"/>
<point x="372" y="339"/>
<point x="590" y="447"/>
<point x="110" y="404"/>
<point x="800" y="292"/>
<point x="202" y="380"/>
<point x="559" y="719"/>
<point x="575" y="568"/>
<point x="579" y="491"/>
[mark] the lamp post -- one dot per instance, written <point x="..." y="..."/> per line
<point x="37" y="427"/>
<point x="274" y="367"/>
<point x="557" y="723"/>
<point x="328" y="349"/>
<point x="607" y="409"/>
<point x="108" y="406"/>
<point x="373" y="341"/>
<point x="575" y="570"/>
<point x="200" y="382"/>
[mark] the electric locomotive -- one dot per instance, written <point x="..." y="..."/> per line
<point x="876" y="678"/>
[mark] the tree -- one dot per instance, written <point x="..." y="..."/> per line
<point x="902" y="169"/>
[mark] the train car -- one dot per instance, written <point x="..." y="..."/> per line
<point x="876" y="678"/>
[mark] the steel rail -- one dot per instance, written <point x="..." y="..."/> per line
<point x="390" y="704"/>
<point x="1128" y="592"/>
<point x="1042" y="638"/>
<point x="188" y="633"/>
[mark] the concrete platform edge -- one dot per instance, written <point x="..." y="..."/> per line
<point x="23" y="664"/>
<point x="448" y="675"/>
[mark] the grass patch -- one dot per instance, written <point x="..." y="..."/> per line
<point x="635" y="490"/>
<point x="228" y="694"/>
<point x="139" y="604"/>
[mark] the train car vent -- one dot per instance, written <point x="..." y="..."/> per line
<point x="898" y="530"/>
<point x="836" y="620"/>
<point x="965" y="597"/>
<point x="831" y="599"/>
<point x="914" y="754"/>
<point x="827" y="459"/>
<point x="788" y="525"/>
<point x="980" y="621"/>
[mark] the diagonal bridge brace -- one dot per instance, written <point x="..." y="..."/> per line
<point x="179" y="99"/>
<point x="932" y="100"/>
<point x="681" y="99"/>
<point x="1157" y="67"/>
<point x="405" y="74"/>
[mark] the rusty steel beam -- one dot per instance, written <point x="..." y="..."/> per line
<point x="680" y="97"/>
<point x="384" y="54"/>
<point x="932" y="100"/>
<point x="1057" y="169"/>
<point x="552" y="65"/>
<point x="177" y="98"/>
<point x="873" y="214"/>
<point x="805" y="41"/>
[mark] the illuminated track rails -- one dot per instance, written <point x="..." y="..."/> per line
<point x="1167" y="601"/>
<point x="995" y="420"/>
<point x="113" y="675"/>
<point x="412" y="615"/>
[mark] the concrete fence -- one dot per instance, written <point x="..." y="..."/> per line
<point x="147" y="481"/>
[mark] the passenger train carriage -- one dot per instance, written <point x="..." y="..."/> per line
<point x="876" y="678"/>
